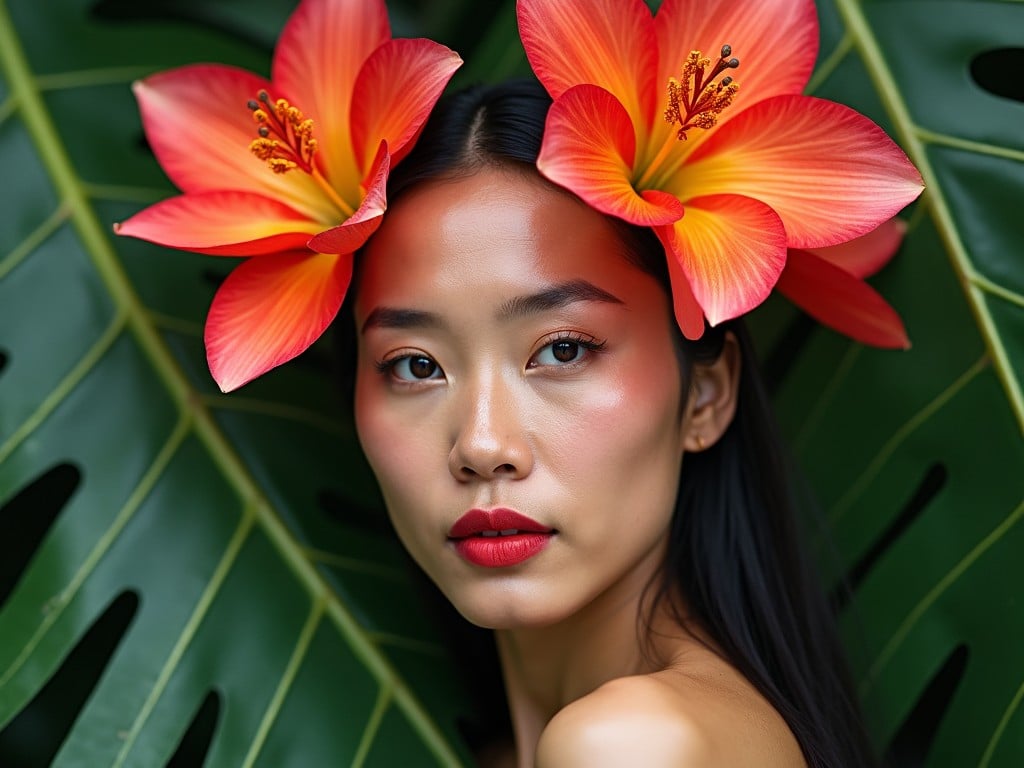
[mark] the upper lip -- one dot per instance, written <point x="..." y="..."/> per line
<point x="477" y="521"/>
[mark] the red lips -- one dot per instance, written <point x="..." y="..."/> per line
<point x="498" y="539"/>
<point x="476" y="521"/>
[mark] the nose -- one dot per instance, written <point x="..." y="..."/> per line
<point x="489" y="440"/>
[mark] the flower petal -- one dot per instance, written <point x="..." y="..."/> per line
<point x="776" y="41"/>
<point x="865" y="255"/>
<point x="200" y="129"/>
<point x="318" y="57"/>
<point x="351" y="235"/>
<point x="828" y="171"/>
<point x="394" y="93"/>
<point x="231" y="223"/>
<point x="588" y="148"/>
<point x="608" y="43"/>
<point x="841" y="301"/>
<point x="270" y="309"/>
<point x="731" y="250"/>
<point x="689" y="315"/>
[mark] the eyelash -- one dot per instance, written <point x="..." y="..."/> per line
<point x="589" y="343"/>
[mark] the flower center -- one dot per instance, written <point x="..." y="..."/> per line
<point x="285" y="137"/>
<point x="696" y="100"/>
<point x="286" y="142"/>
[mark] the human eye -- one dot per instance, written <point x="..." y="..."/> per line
<point x="564" y="349"/>
<point x="411" y="367"/>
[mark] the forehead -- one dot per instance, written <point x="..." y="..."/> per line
<point x="486" y="236"/>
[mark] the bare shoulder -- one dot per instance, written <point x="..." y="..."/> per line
<point x="668" y="719"/>
<point x="628" y="721"/>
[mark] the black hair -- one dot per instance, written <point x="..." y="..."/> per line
<point x="734" y="551"/>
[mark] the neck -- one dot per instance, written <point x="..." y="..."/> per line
<point x="546" y="668"/>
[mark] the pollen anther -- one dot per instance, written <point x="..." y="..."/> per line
<point x="696" y="100"/>
<point x="285" y="136"/>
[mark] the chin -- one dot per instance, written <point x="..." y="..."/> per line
<point x="505" y="609"/>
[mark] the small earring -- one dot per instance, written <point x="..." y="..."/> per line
<point x="700" y="442"/>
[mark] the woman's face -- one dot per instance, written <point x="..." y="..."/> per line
<point x="513" y="362"/>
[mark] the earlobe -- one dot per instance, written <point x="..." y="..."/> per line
<point x="713" y="394"/>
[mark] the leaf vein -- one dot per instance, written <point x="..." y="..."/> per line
<point x="899" y="436"/>
<point x="934" y="594"/>
<point x="33" y="240"/>
<point x="372" y="726"/>
<point x="57" y="605"/>
<point x="49" y="404"/>
<point x="1004" y="721"/>
<point x="284" y="685"/>
<point x="220" y="573"/>
<point x="881" y="75"/>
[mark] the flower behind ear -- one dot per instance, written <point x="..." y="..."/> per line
<point x="290" y="172"/>
<point x="656" y="121"/>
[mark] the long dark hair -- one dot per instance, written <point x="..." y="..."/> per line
<point x="734" y="549"/>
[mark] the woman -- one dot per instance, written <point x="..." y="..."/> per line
<point x="574" y="474"/>
<point x="571" y="469"/>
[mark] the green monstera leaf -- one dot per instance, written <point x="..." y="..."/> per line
<point x="186" y="574"/>
<point x="917" y="458"/>
<point x="214" y="575"/>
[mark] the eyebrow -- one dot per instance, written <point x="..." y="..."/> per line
<point x="555" y="297"/>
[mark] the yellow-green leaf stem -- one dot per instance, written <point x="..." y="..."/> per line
<point x="911" y="138"/>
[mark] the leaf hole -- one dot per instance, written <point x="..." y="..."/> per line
<point x="931" y="484"/>
<point x="3" y="360"/>
<point x="910" y="745"/>
<point x="33" y="738"/>
<point x="994" y="72"/>
<point x="342" y="510"/>
<point x="198" y="737"/>
<point x="25" y="519"/>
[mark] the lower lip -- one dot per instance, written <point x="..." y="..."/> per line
<point x="501" y="551"/>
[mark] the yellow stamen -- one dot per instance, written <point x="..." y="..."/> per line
<point x="286" y="142"/>
<point x="696" y="100"/>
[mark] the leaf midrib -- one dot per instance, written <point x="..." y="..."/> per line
<point x="26" y="98"/>
<point x="908" y="133"/>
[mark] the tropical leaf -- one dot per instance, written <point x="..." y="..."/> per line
<point x="916" y="457"/>
<point x="195" y="539"/>
<point x="214" y="574"/>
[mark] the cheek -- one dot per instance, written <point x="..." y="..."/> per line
<point x="393" y="444"/>
<point x="619" y="441"/>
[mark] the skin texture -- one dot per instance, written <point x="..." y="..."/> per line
<point x="467" y="397"/>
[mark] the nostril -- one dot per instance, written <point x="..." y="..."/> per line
<point x="504" y="469"/>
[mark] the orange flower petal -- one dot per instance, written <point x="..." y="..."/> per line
<point x="232" y="223"/>
<point x="841" y="301"/>
<point x="270" y="309"/>
<point x="828" y="171"/>
<point x="588" y="148"/>
<point x="388" y="107"/>
<point x="316" y="63"/>
<point x="200" y="129"/>
<point x="731" y="250"/>
<point x="351" y="235"/>
<point x="865" y="255"/>
<point x="689" y="315"/>
<point x="609" y="43"/>
<point x="776" y="41"/>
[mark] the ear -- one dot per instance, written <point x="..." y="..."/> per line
<point x="713" y="391"/>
